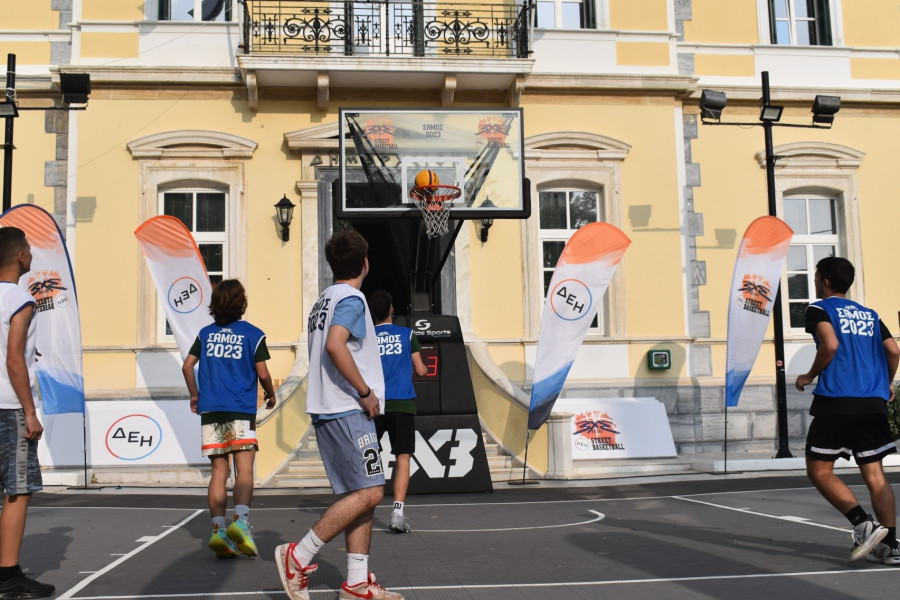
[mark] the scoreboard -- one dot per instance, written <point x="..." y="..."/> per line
<point x="450" y="454"/>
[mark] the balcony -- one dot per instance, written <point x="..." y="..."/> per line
<point x="385" y="44"/>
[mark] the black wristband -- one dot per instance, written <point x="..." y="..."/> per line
<point x="367" y="394"/>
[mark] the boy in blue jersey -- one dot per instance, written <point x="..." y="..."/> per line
<point x="343" y="396"/>
<point x="232" y="355"/>
<point x="856" y="361"/>
<point x="400" y="355"/>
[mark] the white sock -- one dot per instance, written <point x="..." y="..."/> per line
<point x="220" y="521"/>
<point x="307" y="549"/>
<point x="241" y="510"/>
<point x="357" y="569"/>
<point x="398" y="507"/>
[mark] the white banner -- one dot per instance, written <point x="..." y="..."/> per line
<point x="180" y="277"/>
<point x="754" y="285"/>
<point x="618" y="428"/>
<point x="582" y="274"/>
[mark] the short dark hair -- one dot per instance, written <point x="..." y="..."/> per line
<point x="346" y="254"/>
<point x="228" y="302"/>
<point x="12" y="241"/>
<point x="380" y="306"/>
<point x="838" y="271"/>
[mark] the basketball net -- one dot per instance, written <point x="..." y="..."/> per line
<point x="434" y="201"/>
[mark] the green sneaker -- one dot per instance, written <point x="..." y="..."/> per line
<point x="239" y="533"/>
<point x="221" y="545"/>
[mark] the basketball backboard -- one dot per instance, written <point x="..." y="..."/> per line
<point x="479" y="151"/>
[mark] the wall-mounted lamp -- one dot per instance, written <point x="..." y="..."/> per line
<point x="284" y="210"/>
<point x="771" y="113"/>
<point x="316" y="161"/>
<point x="824" y="109"/>
<point x="8" y="109"/>
<point x="712" y="104"/>
<point x="75" y="88"/>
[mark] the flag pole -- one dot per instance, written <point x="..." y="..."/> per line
<point x="524" y="464"/>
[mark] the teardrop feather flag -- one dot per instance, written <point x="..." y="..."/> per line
<point x="59" y="371"/>
<point x="179" y="275"/>
<point x="582" y="274"/>
<point x="754" y="285"/>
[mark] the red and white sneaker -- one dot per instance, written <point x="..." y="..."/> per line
<point x="367" y="590"/>
<point x="294" y="578"/>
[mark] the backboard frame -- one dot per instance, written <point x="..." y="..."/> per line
<point x="480" y="145"/>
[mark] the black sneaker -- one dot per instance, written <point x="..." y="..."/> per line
<point x="23" y="588"/>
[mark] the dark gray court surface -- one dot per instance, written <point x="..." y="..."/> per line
<point x="760" y="537"/>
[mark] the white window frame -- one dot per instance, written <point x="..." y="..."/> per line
<point x="835" y="10"/>
<point x="575" y="160"/>
<point x="558" y="13"/>
<point x="191" y="159"/>
<point x="824" y="170"/>
<point x="153" y="10"/>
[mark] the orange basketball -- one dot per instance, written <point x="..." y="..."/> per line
<point x="427" y="178"/>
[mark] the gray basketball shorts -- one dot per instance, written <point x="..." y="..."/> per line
<point x="20" y="472"/>
<point x="349" y="449"/>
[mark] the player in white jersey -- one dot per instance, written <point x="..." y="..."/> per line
<point x="345" y="388"/>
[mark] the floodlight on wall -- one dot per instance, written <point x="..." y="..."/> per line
<point x="75" y="87"/>
<point x="284" y="211"/>
<point x="824" y="109"/>
<point x="8" y="109"/>
<point x="771" y="113"/>
<point x="712" y="104"/>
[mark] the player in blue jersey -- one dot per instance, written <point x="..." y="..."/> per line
<point x="399" y="349"/>
<point x="856" y="360"/>
<point x="232" y="355"/>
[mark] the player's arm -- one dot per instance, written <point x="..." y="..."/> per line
<point x="265" y="380"/>
<point x="828" y="345"/>
<point x="187" y="369"/>
<point x="416" y="356"/>
<point x="17" y="370"/>
<point x="336" y="346"/>
<point x="892" y="354"/>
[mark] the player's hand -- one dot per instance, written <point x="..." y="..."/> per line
<point x="270" y="401"/>
<point x="370" y="405"/>
<point x="33" y="427"/>
<point x="803" y="381"/>
<point x="194" y="404"/>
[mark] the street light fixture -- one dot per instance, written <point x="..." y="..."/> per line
<point x="284" y="212"/>
<point x="824" y="108"/>
<point x="8" y="110"/>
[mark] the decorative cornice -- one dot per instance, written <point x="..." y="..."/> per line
<point x="191" y="143"/>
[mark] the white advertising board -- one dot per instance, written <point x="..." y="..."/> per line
<point x="123" y="433"/>
<point x="618" y="428"/>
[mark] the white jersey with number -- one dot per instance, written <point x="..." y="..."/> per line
<point x="327" y="391"/>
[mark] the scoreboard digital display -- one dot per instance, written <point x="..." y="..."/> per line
<point x="431" y="356"/>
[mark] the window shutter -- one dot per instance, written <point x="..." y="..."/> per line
<point x="823" y="23"/>
<point x="588" y="14"/>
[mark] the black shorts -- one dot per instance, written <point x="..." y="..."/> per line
<point x="865" y="437"/>
<point x="401" y="430"/>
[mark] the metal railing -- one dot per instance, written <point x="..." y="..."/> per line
<point x="386" y="28"/>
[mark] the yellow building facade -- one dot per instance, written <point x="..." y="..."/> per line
<point x="227" y="105"/>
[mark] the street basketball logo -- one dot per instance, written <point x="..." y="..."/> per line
<point x="756" y="294"/>
<point x="493" y="130"/>
<point x="596" y="430"/>
<point x="571" y="300"/>
<point x="185" y="295"/>
<point x="381" y="132"/>
<point x="47" y="289"/>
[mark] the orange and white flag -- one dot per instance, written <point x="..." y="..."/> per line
<point x="180" y="277"/>
<point x="754" y="285"/>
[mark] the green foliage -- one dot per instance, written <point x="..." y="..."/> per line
<point x="894" y="413"/>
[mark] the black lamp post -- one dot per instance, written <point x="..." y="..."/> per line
<point x="9" y="111"/>
<point x="284" y="210"/>
<point x="824" y="108"/>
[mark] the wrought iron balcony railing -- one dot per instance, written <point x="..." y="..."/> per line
<point x="386" y="28"/>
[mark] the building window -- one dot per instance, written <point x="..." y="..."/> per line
<point x="561" y="212"/>
<point x="195" y="10"/>
<point x="814" y="220"/>
<point x="800" y="22"/>
<point x="565" y="14"/>
<point x="203" y="212"/>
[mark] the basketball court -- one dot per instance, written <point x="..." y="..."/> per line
<point x="728" y="537"/>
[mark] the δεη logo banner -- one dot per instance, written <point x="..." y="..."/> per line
<point x="582" y="274"/>
<point x="754" y="285"/>
<point x="179" y="276"/>
<point x="51" y="283"/>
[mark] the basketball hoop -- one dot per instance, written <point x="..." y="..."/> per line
<point x="434" y="201"/>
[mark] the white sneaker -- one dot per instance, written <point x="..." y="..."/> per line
<point x="294" y="578"/>
<point x="884" y="554"/>
<point x="399" y="523"/>
<point x="368" y="590"/>
<point x="865" y="536"/>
